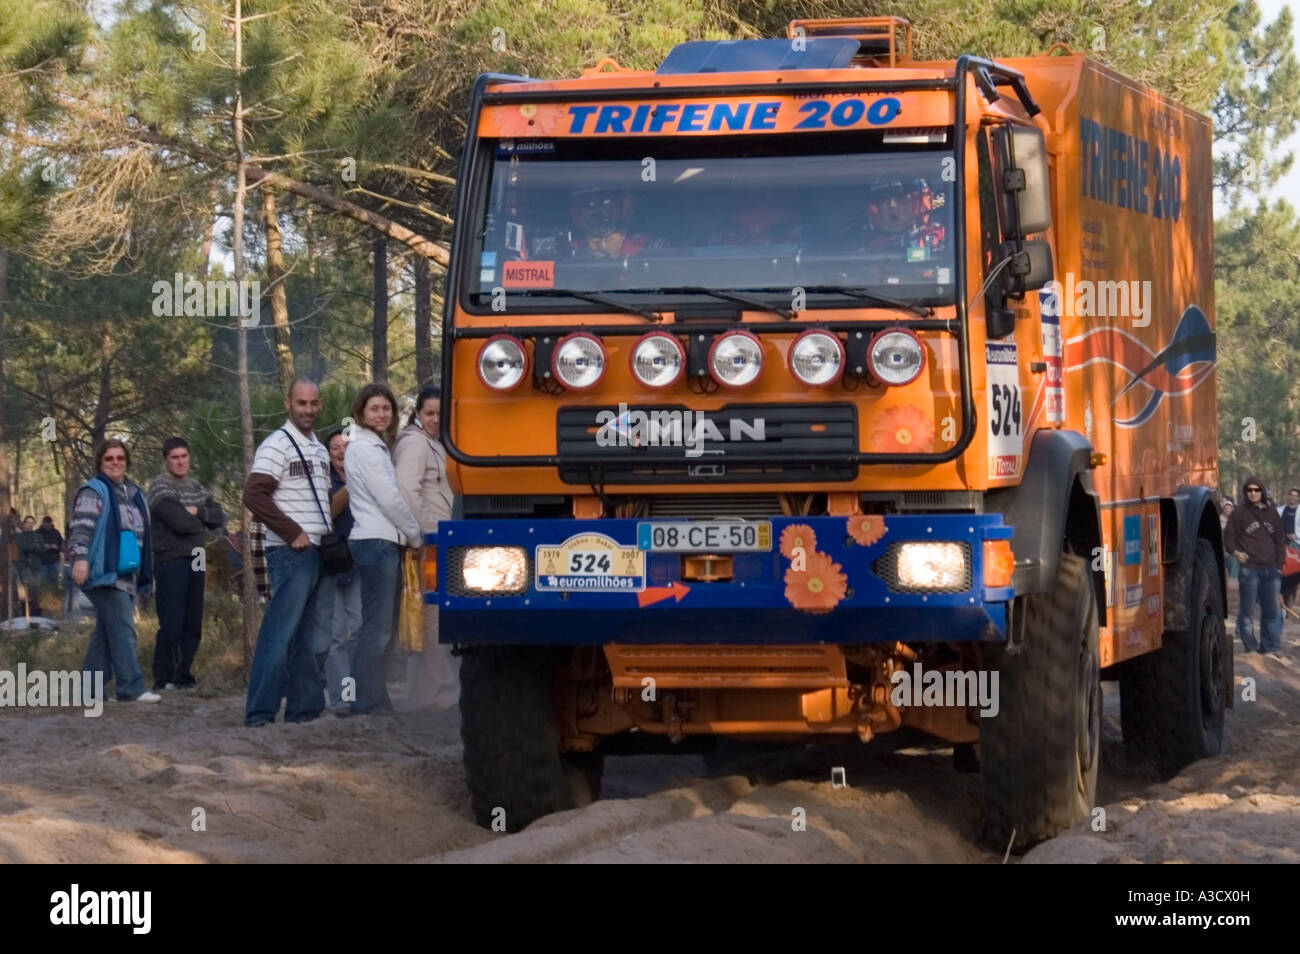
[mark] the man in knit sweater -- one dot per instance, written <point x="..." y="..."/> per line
<point x="180" y="510"/>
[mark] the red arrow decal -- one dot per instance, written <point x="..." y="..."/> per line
<point x="655" y="594"/>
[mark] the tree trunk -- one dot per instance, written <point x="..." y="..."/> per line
<point x="249" y="595"/>
<point x="205" y="250"/>
<point x="379" y="349"/>
<point x="104" y="401"/>
<point x="5" y="529"/>
<point x="316" y="363"/>
<point x="279" y="300"/>
<point x="423" y="329"/>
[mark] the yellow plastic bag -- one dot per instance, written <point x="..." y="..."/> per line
<point x="410" y="614"/>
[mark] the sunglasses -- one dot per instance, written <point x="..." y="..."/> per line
<point x="1254" y="490"/>
<point x="110" y="460"/>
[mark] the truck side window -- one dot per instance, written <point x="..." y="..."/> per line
<point x="989" y="235"/>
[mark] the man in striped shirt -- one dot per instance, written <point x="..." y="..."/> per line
<point x="293" y="503"/>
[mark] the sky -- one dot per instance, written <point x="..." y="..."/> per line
<point x="1289" y="187"/>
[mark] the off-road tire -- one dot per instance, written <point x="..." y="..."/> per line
<point x="1039" y="755"/>
<point x="511" y="745"/>
<point x="1172" y="700"/>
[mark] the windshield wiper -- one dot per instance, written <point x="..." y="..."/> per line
<point x="595" y="299"/>
<point x="731" y="296"/>
<point x="861" y="293"/>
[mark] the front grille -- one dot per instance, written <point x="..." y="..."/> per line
<point x="738" y="443"/>
<point x="706" y="506"/>
<point x="886" y="567"/>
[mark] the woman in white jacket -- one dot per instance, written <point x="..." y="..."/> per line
<point x="382" y="524"/>
<point x="432" y="677"/>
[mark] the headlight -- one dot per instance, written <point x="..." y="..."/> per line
<point x="736" y="359"/>
<point x="897" y="356"/>
<point x="658" y="360"/>
<point x="816" y="358"/>
<point x="494" y="569"/>
<point x="932" y="566"/>
<point x="579" y="361"/>
<point x="502" y="362"/>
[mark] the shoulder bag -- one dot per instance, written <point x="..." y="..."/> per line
<point x="335" y="556"/>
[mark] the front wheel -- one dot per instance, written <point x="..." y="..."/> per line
<point x="513" y="764"/>
<point x="1039" y="755"/>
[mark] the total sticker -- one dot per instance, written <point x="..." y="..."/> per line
<point x="1049" y="310"/>
<point x="1006" y="429"/>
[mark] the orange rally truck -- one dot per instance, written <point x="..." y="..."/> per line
<point x="799" y="390"/>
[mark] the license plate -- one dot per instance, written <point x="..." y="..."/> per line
<point x="590" y="563"/>
<point x="705" y="536"/>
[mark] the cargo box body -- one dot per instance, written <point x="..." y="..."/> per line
<point x="1134" y="244"/>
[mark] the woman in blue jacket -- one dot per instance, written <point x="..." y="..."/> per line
<point x="111" y="549"/>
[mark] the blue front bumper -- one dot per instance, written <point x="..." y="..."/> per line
<point x="755" y="606"/>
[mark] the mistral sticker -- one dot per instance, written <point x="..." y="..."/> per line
<point x="1006" y="429"/>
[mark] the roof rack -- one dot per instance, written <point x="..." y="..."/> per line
<point x="878" y="40"/>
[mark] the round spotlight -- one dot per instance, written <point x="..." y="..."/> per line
<point x="658" y="360"/>
<point x="736" y="359"/>
<point x="896" y="356"/>
<point x="816" y="357"/>
<point x="579" y="361"/>
<point x="502" y="362"/>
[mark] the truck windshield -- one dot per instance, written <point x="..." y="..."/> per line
<point x="654" y="217"/>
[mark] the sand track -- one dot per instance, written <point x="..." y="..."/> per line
<point x="125" y="786"/>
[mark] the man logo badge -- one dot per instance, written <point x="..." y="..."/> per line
<point x="706" y="470"/>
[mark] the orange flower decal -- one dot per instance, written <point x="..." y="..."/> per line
<point x="903" y="429"/>
<point x="797" y="535"/>
<point x="867" y="528"/>
<point x="817" y="589"/>
<point x="529" y="119"/>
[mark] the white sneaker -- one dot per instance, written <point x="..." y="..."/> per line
<point x="148" y="697"/>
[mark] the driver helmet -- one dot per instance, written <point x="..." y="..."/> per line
<point x="600" y="212"/>
<point x="899" y="205"/>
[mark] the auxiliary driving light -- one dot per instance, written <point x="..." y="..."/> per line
<point x="502" y="362"/>
<point x="579" y="361"/>
<point x="816" y="358"/>
<point x="658" y="360"/>
<point x="736" y="359"/>
<point x="932" y="566"/>
<point x="494" y="569"/>
<point x="896" y="356"/>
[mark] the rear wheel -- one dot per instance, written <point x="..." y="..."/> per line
<point x="1172" y="700"/>
<point x="1039" y="755"/>
<point x="513" y="764"/>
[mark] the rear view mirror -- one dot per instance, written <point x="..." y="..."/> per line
<point x="1040" y="264"/>
<point x="1025" y="200"/>
<point x="1030" y="268"/>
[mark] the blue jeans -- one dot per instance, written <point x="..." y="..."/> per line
<point x="334" y="646"/>
<point x="1267" y="583"/>
<point x="283" y="663"/>
<point x="376" y="565"/>
<point x="112" y="644"/>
